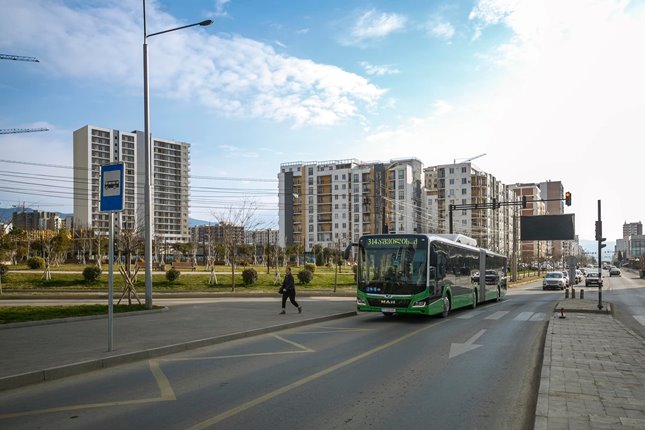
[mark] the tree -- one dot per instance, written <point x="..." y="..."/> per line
<point x="233" y="222"/>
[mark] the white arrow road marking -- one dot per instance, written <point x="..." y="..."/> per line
<point x="459" y="348"/>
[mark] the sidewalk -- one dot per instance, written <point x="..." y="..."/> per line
<point x="593" y="374"/>
<point x="43" y="352"/>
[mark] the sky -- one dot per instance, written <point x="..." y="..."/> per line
<point x="547" y="90"/>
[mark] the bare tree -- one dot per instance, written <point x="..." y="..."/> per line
<point x="233" y="222"/>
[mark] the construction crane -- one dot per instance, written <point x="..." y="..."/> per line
<point x="465" y="160"/>
<point x="21" y="130"/>
<point x="18" y="58"/>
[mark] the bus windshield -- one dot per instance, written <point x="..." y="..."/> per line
<point x="389" y="265"/>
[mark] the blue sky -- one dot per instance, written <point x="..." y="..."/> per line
<point x="549" y="90"/>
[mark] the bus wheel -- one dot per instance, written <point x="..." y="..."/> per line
<point x="474" y="299"/>
<point x="446" y="307"/>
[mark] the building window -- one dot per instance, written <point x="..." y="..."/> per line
<point x="464" y="191"/>
<point x="464" y="169"/>
<point x="452" y="182"/>
<point x="401" y="174"/>
<point x="451" y="170"/>
<point x="356" y="177"/>
<point x="464" y="180"/>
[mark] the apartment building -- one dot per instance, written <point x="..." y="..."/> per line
<point x="334" y="202"/>
<point x="553" y="193"/>
<point x="36" y="220"/>
<point x="532" y="252"/>
<point x="466" y="184"/>
<point x="95" y="146"/>
<point x="632" y="229"/>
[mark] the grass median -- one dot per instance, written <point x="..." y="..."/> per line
<point x="18" y="314"/>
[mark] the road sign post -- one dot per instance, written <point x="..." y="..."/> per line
<point x="111" y="200"/>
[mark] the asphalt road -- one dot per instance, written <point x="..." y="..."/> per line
<point x="627" y="294"/>
<point x="476" y="369"/>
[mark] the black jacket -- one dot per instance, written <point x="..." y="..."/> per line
<point x="288" y="284"/>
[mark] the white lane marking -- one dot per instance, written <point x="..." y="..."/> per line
<point x="538" y="316"/>
<point x="497" y="315"/>
<point x="524" y="316"/>
<point x="469" y="315"/>
<point x="640" y="319"/>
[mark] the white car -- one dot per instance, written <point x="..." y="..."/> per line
<point x="554" y="280"/>
<point x="566" y="276"/>
<point x="578" y="276"/>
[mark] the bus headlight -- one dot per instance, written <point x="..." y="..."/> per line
<point x="420" y="304"/>
<point x="360" y="302"/>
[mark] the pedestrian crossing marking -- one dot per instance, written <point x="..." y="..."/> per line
<point x="497" y="315"/>
<point x="469" y="315"/>
<point x="524" y="316"/>
<point x="538" y="316"/>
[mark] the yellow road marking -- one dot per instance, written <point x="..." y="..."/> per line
<point x="80" y="407"/>
<point x="167" y="392"/>
<point x="221" y="357"/>
<point x="297" y="345"/>
<point x="248" y="405"/>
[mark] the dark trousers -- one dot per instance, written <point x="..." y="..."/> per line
<point x="291" y="295"/>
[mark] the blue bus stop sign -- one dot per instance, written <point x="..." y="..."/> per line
<point x="112" y="176"/>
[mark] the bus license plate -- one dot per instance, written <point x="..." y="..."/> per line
<point x="388" y="310"/>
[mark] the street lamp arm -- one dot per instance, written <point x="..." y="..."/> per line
<point x="202" y="23"/>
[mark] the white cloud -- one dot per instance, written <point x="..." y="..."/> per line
<point x="220" y="7"/>
<point x="439" y="28"/>
<point x="233" y="76"/>
<point x="371" y="69"/>
<point x="374" y="25"/>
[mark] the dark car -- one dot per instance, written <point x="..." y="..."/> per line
<point x="614" y="271"/>
<point x="593" y="279"/>
<point x="491" y="277"/>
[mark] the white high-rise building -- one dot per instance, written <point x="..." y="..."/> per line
<point x="94" y="146"/>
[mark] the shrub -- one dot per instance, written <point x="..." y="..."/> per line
<point x="311" y="267"/>
<point x="3" y="270"/>
<point x="305" y="276"/>
<point x="91" y="274"/>
<point x="173" y="274"/>
<point x="250" y="276"/>
<point x="36" y="263"/>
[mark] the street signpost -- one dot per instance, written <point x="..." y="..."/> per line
<point x="111" y="201"/>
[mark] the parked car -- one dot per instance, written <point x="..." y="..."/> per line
<point x="566" y="277"/>
<point x="593" y="279"/>
<point x="614" y="271"/>
<point x="578" y="276"/>
<point x="554" y="280"/>
<point x="491" y="277"/>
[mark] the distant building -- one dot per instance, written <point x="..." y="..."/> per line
<point x="96" y="146"/>
<point x="550" y="191"/>
<point x="333" y="203"/>
<point x="36" y="220"/>
<point x="532" y="252"/>
<point x="262" y="237"/>
<point x="632" y="229"/>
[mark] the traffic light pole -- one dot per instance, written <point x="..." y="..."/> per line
<point x="601" y="245"/>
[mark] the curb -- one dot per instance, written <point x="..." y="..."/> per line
<point x="73" y="319"/>
<point x="17" y="381"/>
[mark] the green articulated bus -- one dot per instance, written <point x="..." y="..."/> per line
<point x="426" y="274"/>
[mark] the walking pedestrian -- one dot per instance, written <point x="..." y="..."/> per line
<point x="288" y="290"/>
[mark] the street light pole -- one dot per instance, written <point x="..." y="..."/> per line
<point x="147" y="193"/>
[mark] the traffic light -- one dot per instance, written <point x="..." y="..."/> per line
<point x="523" y="202"/>
<point x="567" y="198"/>
<point x="600" y="242"/>
<point x="598" y="230"/>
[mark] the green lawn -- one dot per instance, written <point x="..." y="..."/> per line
<point x="17" y="314"/>
<point x="18" y="278"/>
